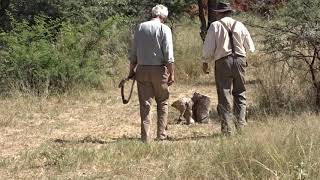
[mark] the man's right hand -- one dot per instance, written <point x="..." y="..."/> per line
<point x="131" y="75"/>
<point x="131" y="71"/>
<point x="205" y="68"/>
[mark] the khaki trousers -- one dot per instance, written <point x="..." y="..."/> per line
<point x="230" y="74"/>
<point x="152" y="83"/>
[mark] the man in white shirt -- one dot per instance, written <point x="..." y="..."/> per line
<point x="226" y="44"/>
<point x="152" y="57"/>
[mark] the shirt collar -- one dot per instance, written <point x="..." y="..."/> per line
<point x="156" y="19"/>
<point x="227" y="19"/>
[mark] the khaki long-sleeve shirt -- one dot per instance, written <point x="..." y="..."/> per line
<point x="217" y="43"/>
<point x="152" y="44"/>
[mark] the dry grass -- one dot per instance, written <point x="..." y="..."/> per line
<point x="93" y="135"/>
<point x="27" y="122"/>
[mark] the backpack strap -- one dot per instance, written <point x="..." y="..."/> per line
<point x="230" y="33"/>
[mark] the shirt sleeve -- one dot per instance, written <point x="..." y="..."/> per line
<point x="133" y="50"/>
<point x="167" y="45"/>
<point x="248" y="43"/>
<point x="209" y="45"/>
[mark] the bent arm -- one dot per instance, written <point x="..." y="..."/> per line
<point x="209" y="45"/>
<point x="248" y="42"/>
<point x="133" y="57"/>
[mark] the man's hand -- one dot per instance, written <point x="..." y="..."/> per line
<point x="131" y="75"/>
<point x="205" y="68"/>
<point x="171" y="73"/>
<point x="170" y="80"/>
<point x="203" y="34"/>
<point x="132" y="71"/>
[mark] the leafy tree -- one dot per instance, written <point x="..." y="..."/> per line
<point x="295" y="40"/>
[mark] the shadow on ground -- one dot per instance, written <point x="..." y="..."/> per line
<point x="94" y="140"/>
<point x="212" y="83"/>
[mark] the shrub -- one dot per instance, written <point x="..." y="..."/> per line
<point x="290" y="78"/>
<point x="280" y="90"/>
<point x="36" y="59"/>
<point x="52" y="46"/>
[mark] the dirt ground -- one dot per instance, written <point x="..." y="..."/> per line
<point x="28" y="122"/>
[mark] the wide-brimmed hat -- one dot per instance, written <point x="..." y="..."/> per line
<point x="223" y="7"/>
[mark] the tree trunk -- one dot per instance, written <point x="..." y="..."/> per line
<point x="4" y="19"/>
<point x="206" y="7"/>
<point x="212" y="5"/>
<point x="202" y="14"/>
<point x="318" y="97"/>
<point x="4" y="4"/>
<point x="313" y="70"/>
<point x="202" y="5"/>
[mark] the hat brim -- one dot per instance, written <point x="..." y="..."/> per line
<point x="223" y="10"/>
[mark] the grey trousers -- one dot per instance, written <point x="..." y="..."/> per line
<point x="152" y="83"/>
<point x="230" y="82"/>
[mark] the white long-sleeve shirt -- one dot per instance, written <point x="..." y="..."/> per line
<point x="217" y="43"/>
<point x="152" y="44"/>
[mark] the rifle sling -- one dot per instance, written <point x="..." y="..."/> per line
<point x="121" y="85"/>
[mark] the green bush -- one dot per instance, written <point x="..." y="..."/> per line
<point x="54" y="46"/>
<point x="293" y="40"/>
<point x="290" y="62"/>
<point x="38" y="60"/>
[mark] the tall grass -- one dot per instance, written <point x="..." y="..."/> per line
<point x="282" y="89"/>
<point x="188" y="50"/>
<point x="276" y="149"/>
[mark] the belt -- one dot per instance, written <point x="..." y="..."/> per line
<point x="235" y="55"/>
<point x="232" y="55"/>
<point x="151" y="65"/>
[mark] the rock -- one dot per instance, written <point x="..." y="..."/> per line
<point x="201" y="107"/>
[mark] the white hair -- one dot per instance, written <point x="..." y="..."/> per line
<point x="160" y="10"/>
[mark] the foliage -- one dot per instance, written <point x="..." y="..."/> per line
<point x="78" y="11"/>
<point x="265" y="8"/>
<point x="53" y="45"/>
<point x="294" y="39"/>
<point x="36" y="59"/>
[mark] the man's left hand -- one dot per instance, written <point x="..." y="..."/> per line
<point x="171" y="80"/>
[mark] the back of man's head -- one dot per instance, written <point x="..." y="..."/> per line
<point x="160" y="10"/>
<point x="224" y="14"/>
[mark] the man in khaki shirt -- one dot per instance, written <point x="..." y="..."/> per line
<point x="226" y="44"/>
